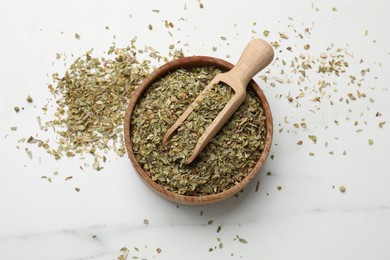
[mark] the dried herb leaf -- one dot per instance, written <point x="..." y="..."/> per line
<point x="32" y="140"/>
<point x="219" y="229"/>
<point x="283" y="36"/>
<point x="313" y="138"/>
<point x="124" y="253"/>
<point x="241" y="240"/>
<point x="29" y="153"/>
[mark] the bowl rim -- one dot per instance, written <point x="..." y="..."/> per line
<point x="191" y="62"/>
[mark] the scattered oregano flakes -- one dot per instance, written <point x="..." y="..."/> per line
<point x="240" y="239"/>
<point x="91" y="98"/>
<point x="124" y="253"/>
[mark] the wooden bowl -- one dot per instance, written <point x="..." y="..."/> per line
<point x="190" y="62"/>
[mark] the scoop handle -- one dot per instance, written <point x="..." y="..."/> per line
<point x="255" y="57"/>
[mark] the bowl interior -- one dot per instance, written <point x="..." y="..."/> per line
<point x="191" y="62"/>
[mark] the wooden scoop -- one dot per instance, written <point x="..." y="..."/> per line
<point x="255" y="57"/>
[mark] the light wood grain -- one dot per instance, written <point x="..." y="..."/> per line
<point x="255" y="57"/>
<point x="191" y="62"/>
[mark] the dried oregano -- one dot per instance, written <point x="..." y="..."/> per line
<point x="228" y="158"/>
<point x="91" y="98"/>
<point x="204" y="112"/>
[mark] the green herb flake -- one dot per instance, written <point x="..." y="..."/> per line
<point x="77" y="36"/>
<point x="14" y="128"/>
<point x="96" y="165"/>
<point x="32" y="140"/>
<point x="124" y="253"/>
<point x="17" y="109"/>
<point x="29" y="153"/>
<point x="370" y="142"/>
<point x="241" y="240"/>
<point x="342" y="189"/>
<point x="29" y="99"/>
<point x="146" y="222"/>
<point x="283" y="36"/>
<point x="219" y="229"/>
<point x="313" y="138"/>
<point x="266" y="33"/>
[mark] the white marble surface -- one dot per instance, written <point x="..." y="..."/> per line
<point x="307" y="219"/>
